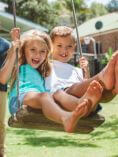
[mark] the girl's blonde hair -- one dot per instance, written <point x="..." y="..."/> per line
<point x="44" y="68"/>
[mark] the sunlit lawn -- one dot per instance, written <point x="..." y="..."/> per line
<point x="103" y="142"/>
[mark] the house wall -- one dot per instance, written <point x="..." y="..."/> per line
<point x="107" y="40"/>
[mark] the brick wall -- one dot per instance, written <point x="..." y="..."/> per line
<point x="107" y="40"/>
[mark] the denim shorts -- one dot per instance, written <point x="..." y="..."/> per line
<point x="13" y="104"/>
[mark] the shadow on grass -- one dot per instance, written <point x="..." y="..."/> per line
<point x="109" y="130"/>
<point x="113" y="124"/>
<point x="55" y="142"/>
<point x="108" y="127"/>
<point x="39" y="138"/>
<point x="21" y="131"/>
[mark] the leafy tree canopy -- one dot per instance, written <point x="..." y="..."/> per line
<point x="47" y="14"/>
<point x="80" y="7"/>
<point x="97" y="9"/>
<point x="38" y="11"/>
<point x="112" y="6"/>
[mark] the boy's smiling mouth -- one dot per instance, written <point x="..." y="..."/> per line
<point x="63" y="55"/>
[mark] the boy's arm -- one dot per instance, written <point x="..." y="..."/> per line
<point x="85" y="66"/>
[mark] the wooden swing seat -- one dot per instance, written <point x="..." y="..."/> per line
<point x="34" y="119"/>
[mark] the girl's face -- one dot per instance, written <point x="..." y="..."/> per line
<point x="35" y="53"/>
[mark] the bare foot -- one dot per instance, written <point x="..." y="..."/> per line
<point x="71" y="120"/>
<point x="115" y="90"/>
<point x="93" y="93"/>
<point x="107" y="75"/>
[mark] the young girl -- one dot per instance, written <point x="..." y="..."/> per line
<point x="34" y="66"/>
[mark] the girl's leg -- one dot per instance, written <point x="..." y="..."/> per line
<point x="32" y="99"/>
<point x="69" y="119"/>
<point x="53" y="112"/>
<point x="69" y="102"/>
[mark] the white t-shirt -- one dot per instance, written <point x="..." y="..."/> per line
<point x="63" y="75"/>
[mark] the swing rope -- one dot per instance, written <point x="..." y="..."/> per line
<point x="79" y="49"/>
<point x="17" y="50"/>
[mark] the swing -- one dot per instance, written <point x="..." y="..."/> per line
<point x="34" y="119"/>
<point x="27" y="117"/>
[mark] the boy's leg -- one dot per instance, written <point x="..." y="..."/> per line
<point x="69" y="102"/>
<point x="106" y="77"/>
<point x="115" y="90"/>
<point x="53" y="112"/>
<point x="2" y="122"/>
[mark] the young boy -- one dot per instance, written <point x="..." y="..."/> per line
<point x="4" y="46"/>
<point x="69" y="78"/>
<point x="64" y="44"/>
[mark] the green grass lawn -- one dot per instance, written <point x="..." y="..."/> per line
<point x="103" y="142"/>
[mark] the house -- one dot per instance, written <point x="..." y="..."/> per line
<point x="6" y="24"/>
<point x="103" y="29"/>
<point x="102" y="33"/>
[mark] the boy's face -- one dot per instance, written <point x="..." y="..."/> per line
<point x="63" y="48"/>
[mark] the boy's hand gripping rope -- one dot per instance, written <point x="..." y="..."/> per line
<point x="79" y="49"/>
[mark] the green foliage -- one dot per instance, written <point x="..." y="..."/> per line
<point x="35" y="143"/>
<point x="80" y="8"/>
<point x="49" y="14"/>
<point x="38" y="11"/>
<point x="107" y="56"/>
<point x="112" y="6"/>
<point x="65" y="7"/>
<point x="79" y="5"/>
<point x="97" y="9"/>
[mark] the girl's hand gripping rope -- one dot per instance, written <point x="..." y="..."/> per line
<point x="15" y="34"/>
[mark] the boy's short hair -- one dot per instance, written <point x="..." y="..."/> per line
<point x="62" y="31"/>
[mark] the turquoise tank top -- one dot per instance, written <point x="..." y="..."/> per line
<point x="29" y="80"/>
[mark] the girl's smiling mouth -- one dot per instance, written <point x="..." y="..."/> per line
<point x="35" y="61"/>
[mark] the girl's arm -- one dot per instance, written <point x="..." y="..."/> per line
<point x="85" y="66"/>
<point x="6" y="70"/>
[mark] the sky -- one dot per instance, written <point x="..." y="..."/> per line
<point x="87" y="1"/>
<point x="2" y="5"/>
<point x="99" y="1"/>
<point x="90" y="1"/>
